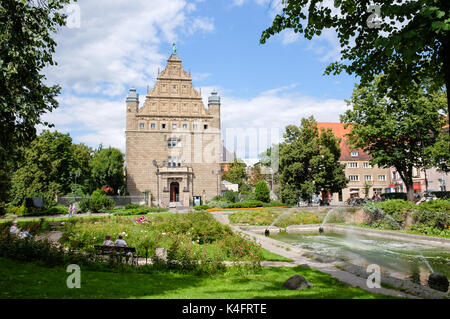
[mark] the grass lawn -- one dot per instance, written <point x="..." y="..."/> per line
<point x="27" y="280"/>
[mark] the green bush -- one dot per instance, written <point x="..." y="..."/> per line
<point x="273" y="203"/>
<point x="439" y="205"/>
<point x="442" y="195"/>
<point x="97" y="201"/>
<point x="388" y="196"/>
<point x="231" y="196"/>
<point x="201" y="207"/>
<point x="438" y="220"/>
<point x="247" y="204"/>
<point x="217" y="204"/>
<point x="131" y="206"/>
<point x="262" y="192"/>
<point x="55" y="210"/>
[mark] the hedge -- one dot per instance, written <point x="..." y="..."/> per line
<point x="442" y="194"/>
<point x="394" y="196"/>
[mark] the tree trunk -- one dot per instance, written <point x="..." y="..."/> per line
<point x="410" y="192"/>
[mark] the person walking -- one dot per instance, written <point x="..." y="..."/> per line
<point x="70" y="210"/>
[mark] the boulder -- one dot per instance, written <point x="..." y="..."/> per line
<point x="438" y="281"/>
<point x="297" y="282"/>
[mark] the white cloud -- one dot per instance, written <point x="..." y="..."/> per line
<point x="289" y="36"/>
<point x="204" y="24"/>
<point x="92" y="121"/>
<point x="238" y="3"/>
<point x="119" y="43"/>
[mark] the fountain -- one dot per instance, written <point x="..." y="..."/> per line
<point x="321" y="229"/>
<point x="286" y="213"/>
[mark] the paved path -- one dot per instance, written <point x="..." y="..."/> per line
<point x="296" y="254"/>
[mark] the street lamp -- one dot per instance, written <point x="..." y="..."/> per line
<point x="77" y="174"/>
<point x="155" y="163"/>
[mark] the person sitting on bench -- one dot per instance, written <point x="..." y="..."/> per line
<point x="120" y="242"/>
<point x="108" y="241"/>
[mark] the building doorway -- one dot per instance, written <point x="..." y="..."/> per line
<point x="174" y="192"/>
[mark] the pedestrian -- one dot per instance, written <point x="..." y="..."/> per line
<point x="70" y="210"/>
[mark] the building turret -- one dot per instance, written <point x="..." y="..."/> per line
<point x="132" y="107"/>
<point x="214" y="107"/>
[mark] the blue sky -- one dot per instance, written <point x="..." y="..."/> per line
<point x="119" y="44"/>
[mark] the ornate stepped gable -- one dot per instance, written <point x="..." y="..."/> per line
<point x="173" y="94"/>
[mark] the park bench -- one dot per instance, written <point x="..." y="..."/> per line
<point x="118" y="253"/>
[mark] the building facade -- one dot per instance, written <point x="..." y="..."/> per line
<point x="173" y="144"/>
<point x="363" y="177"/>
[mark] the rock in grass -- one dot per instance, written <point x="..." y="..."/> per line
<point x="297" y="282"/>
<point x="438" y="281"/>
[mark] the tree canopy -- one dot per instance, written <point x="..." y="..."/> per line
<point x="409" y="41"/>
<point x="107" y="168"/>
<point x="399" y="132"/>
<point x="26" y="47"/>
<point x="309" y="162"/>
<point x="236" y="173"/>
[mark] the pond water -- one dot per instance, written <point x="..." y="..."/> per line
<point x="400" y="259"/>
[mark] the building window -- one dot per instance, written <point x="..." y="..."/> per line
<point x="353" y="165"/>
<point x="185" y="126"/>
<point x="206" y="126"/>
<point x="377" y="191"/>
<point x="368" y="178"/>
<point x="179" y="161"/>
<point x="152" y="125"/>
<point x="354" y="192"/>
<point x="142" y="125"/>
<point x="163" y="125"/>
<point x="381" y="178"/>
<point x="195" y="126"/>
<point x="367" y="165"/>
<point x="353" y="178"/>
<point x="169" y="161"/>
<point x="173" y="142"/>
<point x="174" y="126"/>
<point x="354" y="153"/>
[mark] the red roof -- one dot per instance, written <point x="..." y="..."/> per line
<point x="339" y="131"/>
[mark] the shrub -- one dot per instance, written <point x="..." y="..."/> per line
<point x="262" y="192"/>
<point x="394" y="196"/>
<point x="439" y="205"/>
<point x="96" y="202"/>
<point x="438" y="220"/>
<point x="231" y="196"/>
<point x="201" y="207"/>
<point x="247" y="204"/>
<point x="217" y="204"/>
<point x="131" y="206"/>
<point x="442" y="195"/>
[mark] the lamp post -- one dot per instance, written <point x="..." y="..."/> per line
<point x="155" y="163"/>
<point x="77" y="174"/>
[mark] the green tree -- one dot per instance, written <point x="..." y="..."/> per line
<point x="309" y="162"/>
<point x="411" y="43"/>
<point x="82" y="155"/>
<point x="255" y="174"/>
<point x="262" y="192"/>
<point x="107" y="169"/>
<point x="26" y="47"/>
<point x="236" y="173"/>
<point x="45" y="169"/>
<point x="396" y="132"/>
